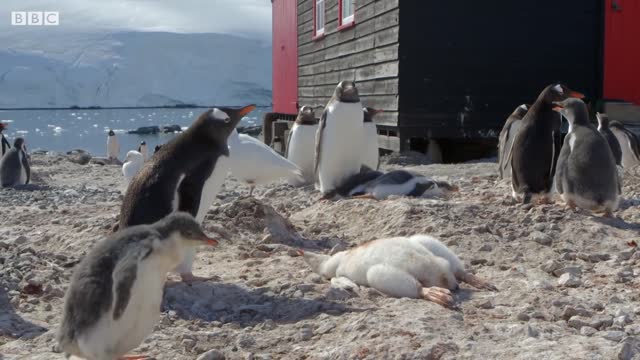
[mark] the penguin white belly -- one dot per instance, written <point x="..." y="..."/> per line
<point x="371" y="146"/>
<point x="113" y="148"/>
<point x="301" y="150"/>
<point x="212" y="187"/>
<point x="111" y="338"/>
<point x="383" y="191"/>
<point x="513" y="130"/>
<point x="23" y="171"/>
<point x="628" y="157"/>
<point x="342" y="150"/>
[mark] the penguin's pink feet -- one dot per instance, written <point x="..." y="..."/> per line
<point x="608" y="213"/>
<point x="572" y="205"/>
<point x="190" y="278"/>
<point x="544" y="201"/>
<point x="135" y="357"/>
<point x="438" y="295"/>
<point x="477" y="282"/>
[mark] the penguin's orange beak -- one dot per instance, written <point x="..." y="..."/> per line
<point x="576" y="94"/>
<point x="210" y="241"/>
<point x="247" y="109"/>
<point x="557" y="107"/>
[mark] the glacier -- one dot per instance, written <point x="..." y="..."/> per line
<point x="132" y="69"/>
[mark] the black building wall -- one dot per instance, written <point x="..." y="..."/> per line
<point x="470" y="63"/>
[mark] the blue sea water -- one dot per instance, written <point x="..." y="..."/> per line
<point x="64" y="130"/>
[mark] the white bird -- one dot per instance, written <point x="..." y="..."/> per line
<point x="301" y="144"/>
<point x="254" y="163"/>
<point x="132" y="165"/>
<point x="419" y="266"/>
<point x="143" y="149"/>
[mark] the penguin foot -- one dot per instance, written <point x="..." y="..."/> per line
<point x="438" y="295"/>
<point x="477" y="282"/>
<point x="135" y="357"/>
<point x="608" y="213"/>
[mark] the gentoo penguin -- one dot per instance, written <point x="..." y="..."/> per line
<point x="115" y="295"/>
<point x="14" y="165"/>
<point x="508" y="133"/>
<point x="300" y="144"/>
<point x="184" y="175"/>
<point x="403" y="183"/>
<point x="132" y="165"/>
<point x="339" y="140"/>
<point x="4" y="142"/>
<point x="419" y="266"/>
<point x="371" y="153"/>
<point x="628" y="141"/>
<point x="534" y="151"/>
<point x="142" y="149"/>
<point x="354" y="184"/>
<point x="586" y="175"/>
<point x="113" y="147"/>
<point x="255" y="163"/>
<point x="155" y="150"/>
<point x="604" y="130"/>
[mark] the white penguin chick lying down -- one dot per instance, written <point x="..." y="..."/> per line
<point x="419" y="266"/>
<point x="132" y="165"/>
<point x="255" y="163"/>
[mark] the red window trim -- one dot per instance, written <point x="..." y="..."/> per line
<point x="315" y="36"/>
<point x="351" y="23"/>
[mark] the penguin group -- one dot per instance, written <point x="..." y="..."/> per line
<point x="582" y="169"/>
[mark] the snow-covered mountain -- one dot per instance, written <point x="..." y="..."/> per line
<point x="133" y="69"/>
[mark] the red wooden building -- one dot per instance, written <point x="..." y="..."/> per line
<point x="451" y="71"/>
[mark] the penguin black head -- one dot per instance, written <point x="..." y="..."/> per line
<point x="369" y="113"/>
<point x="521" y="111"/>
<point x="142" y="143"/>
<point x="306" y="115"/>
<point x="3" y="126"/>
<point x="574" y="110"/>
<point x="216" y="125"/>
<point x="111" y="133"/>
<point x="157" y="148"/>
<point x="603" y="120"/>
<point x="18" y="143"/>
<point x="185" y="226"/>
<point x="346" y="92"/>
<point x="559" y="92"/>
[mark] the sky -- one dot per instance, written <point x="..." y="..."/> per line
<point x="249" y="18"/>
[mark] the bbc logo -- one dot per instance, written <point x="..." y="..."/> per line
<point x="35" y="18"/>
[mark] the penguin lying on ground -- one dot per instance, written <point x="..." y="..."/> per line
<point x="586" y="175"/>
<point x="605" y="130"/>
<point x="133" y="163"/>
<point x="402" y="183"/>
<point x="535" y="149"/>
<point x="255" y="163"/>
<point x="419" y="266"/>
<point x="371" y="153"/>
<point x="142" y="149"/>
<point x="628" y="141"/>
<point x="354" y="184"/>
<point x="508" y="133"/>
<point x="300" y="144"/>
<point x="186" y="174"/>
<point x="115" y="295"/>
<point x="14" y="165"/>
<point x="339" y="141"/>
<point x="4" y="143"/>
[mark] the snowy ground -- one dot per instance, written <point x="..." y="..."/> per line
<point x="568" y="282"/>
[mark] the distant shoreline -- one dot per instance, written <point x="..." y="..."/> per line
<point x="185" y="106"/>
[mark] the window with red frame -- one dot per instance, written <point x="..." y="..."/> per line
<point x="346" y="15"/>
<point x="318" y="18"/>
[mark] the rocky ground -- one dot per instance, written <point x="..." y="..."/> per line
<point x="568" y="282"/>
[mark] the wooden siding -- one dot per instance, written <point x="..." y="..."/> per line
<point x="366" y="53"/>
<point x="471" y="63"/>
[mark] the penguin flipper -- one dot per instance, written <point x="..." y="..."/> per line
<point x="286" y="151"/>
<point x="504" y="135"/>
<point x="562" y="161"/>
<point x="25" y="164"/>
<point x="323" y="124"/>
<point x="124" y="276"/>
